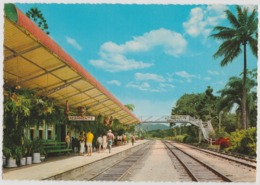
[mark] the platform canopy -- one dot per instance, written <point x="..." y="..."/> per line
<point x="33" y="60"/>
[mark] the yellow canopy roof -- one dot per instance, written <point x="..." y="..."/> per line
<point x="33" y="60"/>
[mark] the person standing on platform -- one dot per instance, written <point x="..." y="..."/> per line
<point x="89" y="140"/>
<point x="99" y="142"/>
<point x="110" y="139"/>
<point x="124" y="139"/>
<point x="82" y="143"/>
<point x="133" y="139"/>
<point x="104" y="142"/>
<point x="67" y="139"/>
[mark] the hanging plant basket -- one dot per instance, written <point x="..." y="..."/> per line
<point x="81" y="110"/>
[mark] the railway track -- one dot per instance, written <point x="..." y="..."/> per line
<point x="251" y="163"/>
<point x="194" y="168"/>
<point x="118" y="170"/>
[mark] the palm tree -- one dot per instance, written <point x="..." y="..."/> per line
<point x="243" y="31"/>
<point x="36" y="16"/>
<point x="130" y="107"/>
<point x="232" y="94"/>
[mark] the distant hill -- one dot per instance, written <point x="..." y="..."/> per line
<point x="149" y="126"/>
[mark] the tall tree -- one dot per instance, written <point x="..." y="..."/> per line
<point x="232" y="95"/>
<point x="243" y="31"/>
<point x="200" y="105"/>
<point x="36" y="16"/>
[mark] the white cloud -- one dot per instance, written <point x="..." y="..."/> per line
<point x="74" y="43"/>
<point x="185" y="75"/>
<point x="149" y="76"/>
<point x="157" y="83"/>
<point x="166" y="85"/>
<point x="119" y="63"/>
<point x="203" y="19"/>
<point x="114" y="82"/>
<point x="207" y="78"/>
<point x="113" y="56"/>
<point x="144" y="86"/>
<point x="213" y="72"/>
<point x="195" y="24"/>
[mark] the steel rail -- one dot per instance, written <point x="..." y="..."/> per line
<point x="120" y="161"/>
<point x="223" y="177"/>
<point x="221" y="155"/>
<point x="193" y="177"/>
<point x="129" y="169"/>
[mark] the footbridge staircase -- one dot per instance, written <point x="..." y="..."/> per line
<point x="205" y="127"/>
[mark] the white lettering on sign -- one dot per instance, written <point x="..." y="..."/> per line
<point x="81" y="118"/>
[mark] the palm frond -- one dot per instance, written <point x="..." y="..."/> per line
<point x="229" y="49"/>
<point x="252" y="18"/>
<point x="232" y="53"/>
<point x="224" y="34"/>
<point x="220" y="28"/>
<point x="232" y="19"/>
<point x="222" y="49"/>
<point x="242" y="15"/>
<point x="253" y="45"/>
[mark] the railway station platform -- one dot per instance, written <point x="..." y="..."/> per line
<point x="56" y="166"/>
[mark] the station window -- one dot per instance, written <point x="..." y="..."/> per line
<point x="41" y="134"/>
<point x="31" y="134"/>
<point x="49" y="134"/>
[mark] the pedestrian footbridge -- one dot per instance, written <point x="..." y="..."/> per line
<point x="205" y="127"/>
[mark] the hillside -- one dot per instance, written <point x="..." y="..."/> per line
<point x="149" y="126"/>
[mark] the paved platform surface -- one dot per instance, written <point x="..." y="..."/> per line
<point x="60" y="165"/>
<point x="156" y="167"/>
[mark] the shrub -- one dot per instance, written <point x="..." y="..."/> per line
<point x="179" y="138"/>
<point x="189" y="139"/>
<point x="248" y="142"/>
<point x="235" y="139"/>
<point x="244" y="141"/>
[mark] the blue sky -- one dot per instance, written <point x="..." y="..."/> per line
<point x="146" y="55"/>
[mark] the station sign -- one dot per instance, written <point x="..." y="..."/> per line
<point x="81" y="118"/>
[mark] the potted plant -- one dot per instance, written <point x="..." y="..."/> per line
<point x="28" y="151"/>
<point x="20" y="151"/>
<point x="10" y="154"/>
<point x="6" y="154"/>
<point x="42" y="154"/>
<point x="37" y="148"/>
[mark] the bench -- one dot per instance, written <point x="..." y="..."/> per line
<point x="55" y="147"/>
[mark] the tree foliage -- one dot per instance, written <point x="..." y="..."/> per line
<point x="200" y="106"/>
<point x="206" y="106"/>
<point x="242" y="31"/>
<point x="24" y="108"/>
<point x="231" y="96"/>
<point x="130" y="107"/>
<point x="36" y="16"/>
<point x="243" y="141"/>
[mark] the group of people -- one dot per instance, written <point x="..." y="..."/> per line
<point x="102" y="141"/>
<point x="86" y="140"/>
<point x="105" y="140"/>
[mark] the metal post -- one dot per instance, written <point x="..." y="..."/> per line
<point x="219" y="119"/>
<point x="199" y="135"/>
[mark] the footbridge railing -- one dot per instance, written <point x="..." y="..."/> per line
<point x="205" y="127"/>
